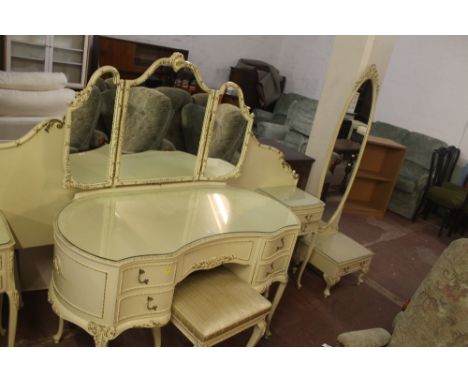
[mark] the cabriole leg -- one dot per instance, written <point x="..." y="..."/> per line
<point x="58" y="336"/>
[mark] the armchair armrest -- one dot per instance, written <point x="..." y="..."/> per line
<point x="271" y="130"/>
<point x="367" y="337"/>
<point x="262" y="116"/>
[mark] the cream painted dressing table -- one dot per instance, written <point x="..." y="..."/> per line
<point x="119" y="254"/>
<point x="7" y="279"/>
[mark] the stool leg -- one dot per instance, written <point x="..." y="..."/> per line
<point x="258" y="332"/>
<point x="157" y="336"/>
<point x="13" y="298"/>
<point x="330" y="281"/>
<point x="2" y="330"/>
<point x="304" y="264"/>
<point x="58" y="336"/>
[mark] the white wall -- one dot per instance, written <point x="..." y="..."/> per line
<point x="302" y="59"/>
<point x="426" y="87"/>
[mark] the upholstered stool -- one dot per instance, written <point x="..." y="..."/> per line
<point x="211" y="306"/>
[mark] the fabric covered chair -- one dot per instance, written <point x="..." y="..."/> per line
<point x="211" y="306"/>
<point x="149" y="116"/>
<point x="414" y="172"/>
<point x="439" y="191"/>
<point x="295" y="131"/>
<point x="179" y="98"/>
<point x="228" y="133"/>
<point x="437" y="313"/>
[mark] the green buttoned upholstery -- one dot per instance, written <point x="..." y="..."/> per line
<point x="210" y="306"/>
<point x="437" y="313"/>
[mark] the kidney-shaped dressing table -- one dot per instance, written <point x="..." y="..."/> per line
<point x="153" y="210"/>
<point x="119" y="255"/>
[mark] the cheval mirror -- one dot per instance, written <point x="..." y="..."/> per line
<point x="348" y="146"/>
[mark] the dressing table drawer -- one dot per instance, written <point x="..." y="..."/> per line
<point x="213" y="255"/>
<point x="274" y="246"/>
<point x="145" y="276"/>
<point x="273" y="268"/>
<point x="141" y="305"/>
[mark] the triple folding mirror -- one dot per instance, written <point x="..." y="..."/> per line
<point x="348" y="147"/>
<point x="165" y="126"/>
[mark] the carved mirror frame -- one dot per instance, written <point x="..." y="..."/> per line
<point x="249" y="118"/>
<point x="176" y="62"/>
<point x="79" y="101"/>
<point x="371" y="74"/>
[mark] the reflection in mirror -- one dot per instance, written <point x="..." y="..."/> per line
<point x="348" y="145"/>
<point x="228" y="132"/>
<point x="90" y="118"/>
<point x="163" y="120"/>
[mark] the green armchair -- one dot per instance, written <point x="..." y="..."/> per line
<point x="437" y="313"/>
<point x="291" y="129"/>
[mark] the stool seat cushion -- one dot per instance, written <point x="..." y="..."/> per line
<point x="211" y="303"/>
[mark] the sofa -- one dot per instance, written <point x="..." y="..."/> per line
<point x="415" y="169"/>
<point x="289" y="123"/>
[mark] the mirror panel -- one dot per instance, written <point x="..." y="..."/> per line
<point x="228" y="134"/>
<point x="90" y="132"/>
<point x="349" y="145"/>
<point x="163" y="119"/>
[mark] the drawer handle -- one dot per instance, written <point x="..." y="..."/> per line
<point x="281" y="246"/>
<point x="148" y="301"/>
<point x="141" y="272"/>
<point x="308" y="218"/>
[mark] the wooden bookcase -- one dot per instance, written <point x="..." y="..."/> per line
<point x="376" y="177"/>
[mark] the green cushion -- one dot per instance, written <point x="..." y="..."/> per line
<point x="419" y="148"/>
<point x="296" y="141"/>
<point x="272" y="130"/>
<point x="301" y="116"/>
<point x="148" y="117"/>
<point x="192" y="117"/>
<point x="447" y="197"/>
<point x="107" y="111"/>
<point x="386" y="130"/>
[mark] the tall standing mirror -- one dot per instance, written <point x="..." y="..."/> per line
<point x="228" y="134"/>
<point x="349" y="144"/>
<point x="89" y="123"/>
<point x="165" y="114"/>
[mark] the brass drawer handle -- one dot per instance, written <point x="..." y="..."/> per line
<point x="141" y="272"/>
<point x="148" y="301"/>
<point x="308" y="218"/>
<point x="281" y="246"/>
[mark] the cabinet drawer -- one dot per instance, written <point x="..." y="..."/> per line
<point x="78" y="284"/>
<point x="280" y="243"/>
<point x="213" y="255"/>
<point x="354" y="266"/>
<point x="144" y="276"/>
<point x="273" y="268"/>
<point x="145" y="304"/>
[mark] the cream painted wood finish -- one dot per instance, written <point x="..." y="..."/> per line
<point x="7" y="279"/>
<point x="309" y="211"/>
<point x="120" y="253"/>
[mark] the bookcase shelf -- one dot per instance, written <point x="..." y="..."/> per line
<point x="376" y="177"/>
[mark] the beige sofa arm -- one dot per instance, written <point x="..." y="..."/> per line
<point x="367" y="337"/>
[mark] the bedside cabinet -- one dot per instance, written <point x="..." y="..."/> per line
<point x="308" y="209"/>
<point x="7" y="279"/>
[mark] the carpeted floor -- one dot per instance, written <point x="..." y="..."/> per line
<point x="404" y="253"/>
